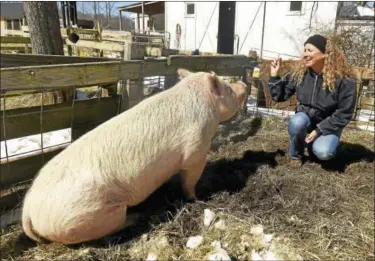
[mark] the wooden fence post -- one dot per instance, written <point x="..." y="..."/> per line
<point x="69" y="47"/>
<point x="170" y="81"/>
<point x="358" y="102"/>
<point x="127" y="51"/>
<point x="135" y="91"/>
<point x="243" y="110"/>
<point x="122" y="90"/>
<point x="98" y="37"/>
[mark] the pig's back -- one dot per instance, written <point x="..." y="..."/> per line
<point x="149" y="136"/>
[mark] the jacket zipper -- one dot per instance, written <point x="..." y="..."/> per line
<point x="313" y="94"/>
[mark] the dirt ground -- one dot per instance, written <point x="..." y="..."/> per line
<point x="323" y="211"/>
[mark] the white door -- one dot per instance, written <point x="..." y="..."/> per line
<point x="190" y="26"/>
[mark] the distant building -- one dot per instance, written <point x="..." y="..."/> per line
<point x="153" y="15"/>
<point x="238" y="27"/>
<point x="12" y="17"/>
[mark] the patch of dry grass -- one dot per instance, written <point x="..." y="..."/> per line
<point x="323" y="211"/>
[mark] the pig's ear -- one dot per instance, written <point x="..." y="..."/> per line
<point x="182" y="73"/>
<point x="215" y="83"/>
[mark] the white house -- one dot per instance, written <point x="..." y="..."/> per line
<point x="284" y="25"/>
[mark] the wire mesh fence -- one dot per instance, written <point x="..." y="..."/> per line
<point x="43" y="122"/>
<point x="366" y="105"/>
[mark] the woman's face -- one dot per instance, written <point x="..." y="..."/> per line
<point x="312" y="56"/>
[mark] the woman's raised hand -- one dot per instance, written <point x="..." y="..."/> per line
<point x="275" y="66"/>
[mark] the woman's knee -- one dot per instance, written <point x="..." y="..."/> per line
<point x="298" y="123"/>
<point x="324" y="151"/>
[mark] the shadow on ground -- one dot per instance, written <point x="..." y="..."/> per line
<point x="236" y="131"/>
<point x="347" y="154"/>
<point x="221" y="175"/>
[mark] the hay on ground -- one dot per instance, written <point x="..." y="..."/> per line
<point x="323" y="211"/>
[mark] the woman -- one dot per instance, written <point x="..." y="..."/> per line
<point x="326" y="98"/>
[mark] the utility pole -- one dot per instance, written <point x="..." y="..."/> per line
<point x="339" y="6"/>
<point x="143" y="17"/>
<point x="264" y="20"/>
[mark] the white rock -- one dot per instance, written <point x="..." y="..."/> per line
<point x="220" y="225"/>
<point x="256" y="257"/>
<point x="268" y="237"/>
<point x="84" y="251"/>
<point x="269" y="256"/>
<point x="194" y="242"/>
<point x="256" y="230"/>
<point x="152" y="257"/>
<point x="145" y="237"/>
<point x="216" y="245"/>
<point x="209" y="216"/>
<point x="220" y="254"/>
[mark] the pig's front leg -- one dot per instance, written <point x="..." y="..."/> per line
<point x="190" y="177"/>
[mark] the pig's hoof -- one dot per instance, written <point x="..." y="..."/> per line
<point x="190" y="199"/>
<point x="132" y="219"/>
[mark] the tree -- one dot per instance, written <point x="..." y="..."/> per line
<point x="44" y="27"/>
<point x="108" y="8"/>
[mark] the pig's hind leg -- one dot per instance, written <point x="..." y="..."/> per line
<point x="104" y="222"/>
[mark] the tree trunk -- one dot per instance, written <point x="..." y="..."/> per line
<point x="95" y="12"/>
<point x="45" y="33"/>
<point x="44" y="27"/>
<point x="107" y="11"/>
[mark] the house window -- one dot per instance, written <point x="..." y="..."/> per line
<point x="295" y="6"/>
<point x="9" y="25"/>
<point x="16" y="24"/>
<point x="189" y="9"/>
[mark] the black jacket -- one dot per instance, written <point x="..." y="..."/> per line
<point x="329" y="112"/>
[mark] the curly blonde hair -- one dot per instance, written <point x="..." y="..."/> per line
<point x="335" y="66"/>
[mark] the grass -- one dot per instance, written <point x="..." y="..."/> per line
<point x="323" y="211"/>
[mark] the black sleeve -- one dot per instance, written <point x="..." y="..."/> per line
<point x="281" y="89"/>
<point x="344" y="113"/>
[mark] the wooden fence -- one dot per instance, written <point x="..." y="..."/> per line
<point x="20" y="41"/>
<point x="127" y="50"/>
<point x="127" y="44"/>
<point x="26" y="73"/>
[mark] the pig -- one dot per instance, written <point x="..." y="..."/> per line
<point x="82" y="194"/>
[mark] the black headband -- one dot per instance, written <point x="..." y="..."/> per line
<point x="318" y="41"/>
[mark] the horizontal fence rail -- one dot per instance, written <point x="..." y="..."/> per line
<point x="86" y="74"/>
<point x="16" y="60"/>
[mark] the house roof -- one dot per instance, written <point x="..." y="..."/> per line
<point x="150" y="7"/>
<point x="11" y="10"/>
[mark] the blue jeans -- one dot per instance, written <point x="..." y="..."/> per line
<point x="324" y="147"/>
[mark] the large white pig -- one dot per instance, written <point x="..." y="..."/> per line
<point x="82" y="194"/>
